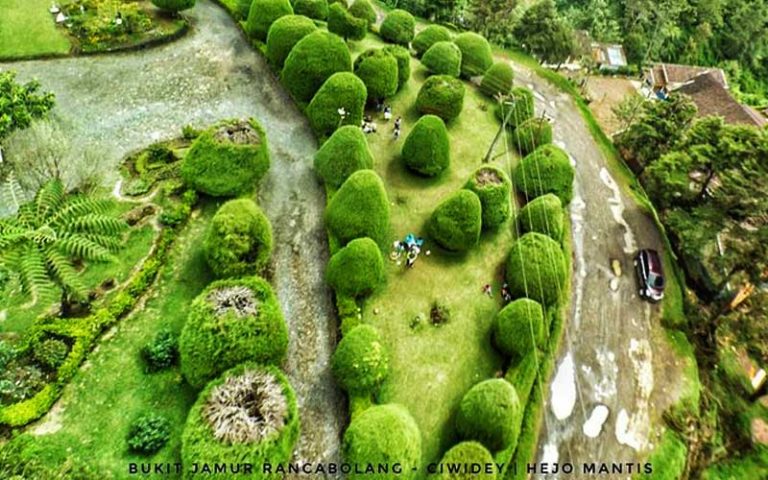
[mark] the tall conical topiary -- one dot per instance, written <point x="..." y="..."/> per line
<point x="262" y="14"/>
<point x="476" y="54"/>
<point x="312" y="61"/>
<point x="443" y="58"/>
<point x="427" y="149"/>
<point x="494" y="189"/>
<point x="428" y="37"/>
<point x="284" y="34"/>
<point x="342" y="155"/>
<point x="455" y="224"/>
<point x="340" y="101"/>
<point x="378" y="70"/>
<point x="359" y="209"/>
<point x="498" y="80"/>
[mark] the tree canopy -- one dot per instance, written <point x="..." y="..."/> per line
<point x="20" y="104"/>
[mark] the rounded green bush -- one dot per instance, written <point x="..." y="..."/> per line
<point x="230" y="322"/>
<point x="51" y="352"/>
<point x="149" y="433"/>
<point x="476" y="54"/>
<point x="316" y="9"/>
<point x="531" y="134"/>
<point x="443" y="58"/>
<point x="519" y="327"/>
<point x="361" y="362"/>
<point x="342" y="155"/>
<point x="341" y="90"/>
<point x="359" y="209"/>
<point x="383" y="435"/>
<point x="284" y="34"/>
<point x="428" y="37"/>
<point x="545" y="170"/>
<point x="262" y="14"/>
<point x="363" y="9"/>
<point x="312" y="61"/>
<point x="441" y="95"/>
<point x="455" y="223"/>
<point x="543" y="214"/>
<point x="248" y="398"/>
<point x="378" y="70"/>
<point x="536" y="269"/>
<point x="493" y="188"/>
<point x="498" y="80"/>
<point x="403" y="58"/>
<point x="466" y="453"/>
<point x="221" y="164"/>
<point x="239" y="239"/>
<point x="398" y="27"/>
<point x="344" y="24"/>
<point x="357" y="269"/>
<point x="490" y="413"/>
<point x="427" y="149"/>
<point x="241" y="8"/>
<point x="173" y="5"/>
<point x="518" y="105"/>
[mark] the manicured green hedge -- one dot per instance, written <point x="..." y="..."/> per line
<point x="383" y="435"/>
<point x="455" y="224"/>
<point x="357" y="269"/>
<point x="363" y="9"/>
<point x="428" y="37"/>
<point x="521" y="107"/>
<point x="519" y="327"/>
<point x="543" y="214"/>
<point x="441" y="95"/>
<point x="490" y="413"/>
<point x="359" y="209"/>
<point x="427" y="149"/>
<point x="312" y="61"/>
<point x="467" y="453"/>
<point x="531" y="134"/>
<point x="212" y="342"/>
<point x="361" y="361"/>
<point x="443" y="58"/>
<point x="476" y="54"/>
<point x="403" y="58"/>
<point x="341" y="90"/>
<point x="546" y="170"/>
<point x="498" y="80"/>
<point x="493" y="188"/>
<point x="378" y="70"/>
<point x="536" y="269"/>
<point x="239" y="239"/>
<point x="262" y="14"/>
<point x="317" y="9"/>
<point x="398" y="27"/>
<point x="344" y="24"/>
<point x="522" y="374"/>
<point x="284" y="34"/>
<point x="342" y="155"/>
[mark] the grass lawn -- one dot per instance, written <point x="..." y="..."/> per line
<point x="28" y="29"/>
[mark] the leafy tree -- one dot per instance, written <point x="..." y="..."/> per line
<point x="545" y="34"/>
<point x="20" y="104"/>
<point x="344" y="24"/>
<point x="493" y="19"/>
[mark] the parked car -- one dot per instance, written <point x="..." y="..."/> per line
<point x="650" y="275"/>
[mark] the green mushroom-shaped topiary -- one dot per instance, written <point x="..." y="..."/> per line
<point x="466" y="453"/>
<point x="312" y="61"/>
<point x="441" y="95"/>
<point x="342" y="155"/>
<point x="343" y="90"/>
<point x="498" y="80"/>
<point x="427" y="149"/>
<point x="403" y="63"/>
<point x="344" y="24"/>
<point x="315" y="9"/>
<point x="476" y="54"/>
<point x="359" y="209"/>
<point x="398" y="27"/>
<point x="357" y="269"/>
<point x="519" y="327"/>
<point x="517" y="107"/>
<point x="284" y="34"/>
<point x="378" y="70"/>
<point x="455" y="224"/>
<point x="443" y="58"/>
<point x="361" y="362"/>
<point x="536" y="269"/>
<point x="383" y="435"/>
<point x="173" y="5"/>
<point x="545" y="170"/>
<point x="543" y="214"/>
<point x="490" y="413"/>
<point x="493" y="188"/>
<point x="363" y="9"/>
<point x="249" y="415"/>
<point x="428" y="37"/>
<point x="230" y="322"/>
<point x="262" y="14"/>
<point x="531" y="134"/>
<point x="239" y="240"/>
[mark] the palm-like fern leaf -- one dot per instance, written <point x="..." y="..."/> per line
<point x="78" y="246"/>
<point x="49" y="199"/>
<point x="12" y="194"/>
<point x="34" y="276"/>
<point x="98" y="224"/>
<point x="64" y="273"/>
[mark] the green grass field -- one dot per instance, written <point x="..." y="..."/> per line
<point x="28" y="29"/>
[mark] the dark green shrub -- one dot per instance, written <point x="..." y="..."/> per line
<point x="342" y="155"/>
<point x="149" y="433"/>
<point x="7" y="353"/>
<point x="466" y="453"/>
<point x="230" y="322"/>
<point x="543" y="214"/>
<point x="398" y="27"/>
<point x="20" y="382"/>
<point x="363" y="9"/>
<point x="536" y="269"/>
<point x="443" y="58"/>
<point x="476" y="54"/>
<point x="531" y="134"/>
<point x="493" y="188"/>
<point x="378" y="70"/>
<point x="173" y="5"/>
<point x="162" y="352"/>
<point x="428" y="37"/>
<point x="361" y="362"/>
<point x="248" y="415"/>
<point x="357" y="269"/>
<point x="427" y="149"/>
<point x="403" y="58"/>
<point x="498" y="80"/>
<point x="315" y="58"/>
<point x="241" y="8"/>
<point x="262" y="14"/>
<point x="383" y="435"/>
<point x="316" y="9"/>
<point x="518" y="105"/>
<point x="227" y="160"/>
<point x="455" y="223"/>
<point x="51" y="352"/>
<point x="359" y="209"/>
<point x="284" y="34"/>
<point x="546" y="170"/>
<point x="519" y="327"/>
<point x="344" y="24"/>
<point x="490" y="413"/>
<point x="342" y="90"/>
<point x="441" y="95"/>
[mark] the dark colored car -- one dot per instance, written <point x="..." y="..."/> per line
<point x="650" y="275"/>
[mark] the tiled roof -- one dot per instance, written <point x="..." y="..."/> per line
<point x="670" y="74"/>
<point x="711" y="98"/>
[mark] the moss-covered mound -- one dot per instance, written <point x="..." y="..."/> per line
<point x="378" y="70"/>
<point x="493" y="188"/>
<point x="467" y="453"/>
<point x="455" y="224"/>
<point x="342" y="155"/>
<point x="363" y="9"/>
<point x="536" y="269"/>
<point x="383" y="435"/>
<point x="546" y="170"/>
<point x="247" y="416"/>
<point x="357" y="269"/>
<point x="361" y="361"/>
<point x="359" y="209"/>
<point x="531" y="134"/>
<point x="230" y="322"/>
<point x="284" y="34"/>
<point x="443" y="58"/>
<point x="518" y="106"/>
<point x="543" y="214"/>
<point x="312" y="61"/>
<point x="344" y="24"/>
<point x="427" y="149"/>
<point x="403" y="58"/>
<point x="341" y="90"/>
<point x="441" y="95"/>
<point x="398" y="27"/>
<point x="262" y="14"/>
<point x="498" y="80"/>
<point x="490" y="413"/>
<point x="228" y="159"/>
<point x="519" y="327"/>
<point x="428" y="37"/>
<point x="476" y="54"/>
<point x="317" y="9"/>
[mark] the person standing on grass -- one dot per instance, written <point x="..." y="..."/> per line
<point x="387" y="113"/>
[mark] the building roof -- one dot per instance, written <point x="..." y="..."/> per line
<point x="609" y="54"/>
<point x="712" y="98"/>
<point x="671" y="75"/>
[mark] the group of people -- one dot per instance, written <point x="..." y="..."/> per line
<point x="411" y="247"/>
<point x="506" y="295"/>
<point x="369" y="126"/>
